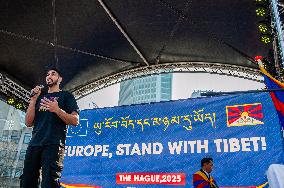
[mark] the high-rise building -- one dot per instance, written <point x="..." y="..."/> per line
<point x="198" y="93"/>
<point x="14" y="139"/>
<point x="154" y="88"/>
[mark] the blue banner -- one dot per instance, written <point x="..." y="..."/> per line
<point x="240" y="132"/>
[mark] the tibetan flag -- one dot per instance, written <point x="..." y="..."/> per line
<point x="244" y="115"/>
<point x="200" y="180"/>
<point x="277" y="96"/>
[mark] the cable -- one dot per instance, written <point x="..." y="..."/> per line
<point x="47" y="43"/>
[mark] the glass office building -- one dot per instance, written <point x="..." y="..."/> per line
<point x="14" y="139"/>
<point x="154" y="88"/>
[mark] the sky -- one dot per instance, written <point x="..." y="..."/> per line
<point x="183" y="86"/>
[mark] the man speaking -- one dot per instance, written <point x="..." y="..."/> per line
<point x="49" y="114"/>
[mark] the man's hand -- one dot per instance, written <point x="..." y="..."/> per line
<point x="37" y="91"/>
<point x="49" y="105"/>
<point x="52" y="106"/>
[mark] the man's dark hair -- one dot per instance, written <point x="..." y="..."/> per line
<point x="54" y="69"/>
<point x="206" y="161"/>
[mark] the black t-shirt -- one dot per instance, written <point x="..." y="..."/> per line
<point x="48" y="127"/>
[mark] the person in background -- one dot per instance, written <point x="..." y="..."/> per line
<point x="203" y="178"/>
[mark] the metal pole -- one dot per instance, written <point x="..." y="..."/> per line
<point x="239" y="92"/>
<point x="115" y="21"/>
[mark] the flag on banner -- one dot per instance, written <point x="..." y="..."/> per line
<point x="78" y="130"/>
<point x="277" y="96"/>
<point x="244" y="115"/>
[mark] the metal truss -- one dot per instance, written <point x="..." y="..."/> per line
<point x="193" y="67"/>
<point x="10" y="87"/>
<point x="277" y="13"/>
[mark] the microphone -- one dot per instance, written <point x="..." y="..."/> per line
<point x="33" y="93"/>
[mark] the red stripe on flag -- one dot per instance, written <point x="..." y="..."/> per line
<point x="256" y="108"/>
<point x="247" y="107"/>
<point x="260" y="115"/>
<point x="232" y="120"/>
<point x="278" y="104"/>
<point x="233" y="114"/>
<point x="235" y="109"/>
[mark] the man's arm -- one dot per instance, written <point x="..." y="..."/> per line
<point x="69" y="119"/>
<point x="30" y="114"/>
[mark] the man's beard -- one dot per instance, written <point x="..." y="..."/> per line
<point x="51" y="84"/>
